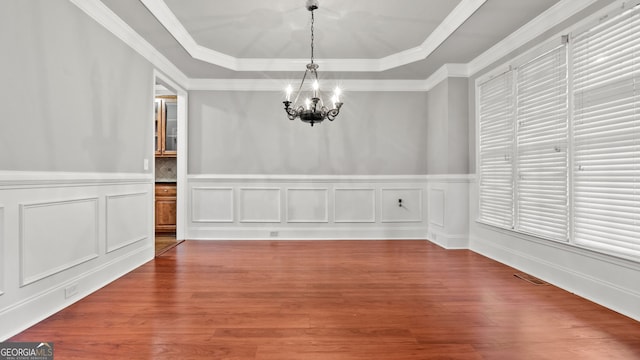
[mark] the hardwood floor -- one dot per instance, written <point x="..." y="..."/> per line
<point x="268" y="300"/>
<point x="165" y="242"/>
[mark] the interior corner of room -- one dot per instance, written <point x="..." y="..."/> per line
<point x="509" y="131"/>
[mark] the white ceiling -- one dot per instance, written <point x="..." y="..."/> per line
<point x="355" y="39"/>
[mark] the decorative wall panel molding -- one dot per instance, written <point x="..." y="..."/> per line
<point x="260" y="205"/>
<point x="307" y="205"/>
<point x="55" y="230"/>
<point x="401" y="205"/>
<point x="127" y="220"/>
<point x="2" y="250"/>
<point x="353" y="205"/>
<point x="436" y="206"/>
<point x="48" y="230"/>
<point x="212" y="204"/>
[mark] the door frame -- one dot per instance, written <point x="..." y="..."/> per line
<point x="182" y="156"/>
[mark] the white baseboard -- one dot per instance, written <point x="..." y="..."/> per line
<point x="30" y="311"/>
<point x="327" y="233"/>
<point x="448" y="241"/>
<point x="596" y="289"/>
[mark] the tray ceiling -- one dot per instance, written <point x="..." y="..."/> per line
<point x="355" y="39"/>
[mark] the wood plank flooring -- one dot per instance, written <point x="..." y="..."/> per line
<point x="303" y="300"/>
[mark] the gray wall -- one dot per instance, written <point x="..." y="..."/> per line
<point x="74" y="97"/>
<point x="377" y="133"/>
<point x="447" y="131"/>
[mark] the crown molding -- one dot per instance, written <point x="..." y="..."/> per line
<point x="536" y="27"/>
<point x="553" y="16"/>
<point x="280" y="85"/>
<point x="110" y="21"/>
<point x="455" y="19"/>
<point x="446" y="71"/>
<point x="461" y="13"/>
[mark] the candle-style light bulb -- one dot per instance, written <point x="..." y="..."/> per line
<point x="307" y="102"/>
<point x="289" y="91"/>
<point x="334" y="100"/>
<point x="316" y="86"/>
<point x="337" y="93"/>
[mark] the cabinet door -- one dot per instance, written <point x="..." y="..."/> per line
<point x="165" y="215"/>
<point x="170" y="126"/>
<point x="158" y="125"/>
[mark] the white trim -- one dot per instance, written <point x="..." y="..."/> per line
<point x="23" y="207"/>
<point x="231" y="209"/>
<point x="3" y="267"/>
<point x="461" y="13"/>
<point x="305" y="178"/>
<point x="355" y="221"/>
<point x="182" y="217"/>
<point x="241" y="207"/>
<point x="416" y="232"/>
<point x="325" y="219"/>
<point x="351" y="85"/>
<point x="28" y="179"/>
<point x="553" y="16"/>
<point x="419" y="217"/>
<point x="596" y="289"/>
<point x="280" y="85"/>
<point x="110" y="21"/>
<point x="109" y="249"/>
<point x="27" y="312"/>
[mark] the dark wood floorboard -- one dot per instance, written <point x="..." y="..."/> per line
<point x="303" y="300"/>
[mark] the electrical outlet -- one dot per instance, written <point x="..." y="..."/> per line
<point x="273" y="234"/>
<point x="70" y="291"/>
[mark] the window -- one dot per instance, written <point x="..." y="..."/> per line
<point x="561" y="173"/>
<point x="496" y="151"/>
<point x="541" y="146"/>
<point x="606" y="133"/>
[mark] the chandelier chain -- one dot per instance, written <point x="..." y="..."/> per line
<point x="312" y="37"/>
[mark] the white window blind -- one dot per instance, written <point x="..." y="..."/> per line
<point x="541" y="146"/>
<point x="606" y="131"/>
<point x="496" y="131"/>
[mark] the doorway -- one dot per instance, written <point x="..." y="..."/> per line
<point x="168" y="165"/>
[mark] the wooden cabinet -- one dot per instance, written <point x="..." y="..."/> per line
<point x="165" y="200"/>
<point x="166" y="112"/>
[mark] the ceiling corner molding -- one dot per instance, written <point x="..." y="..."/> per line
<point x="534" y="28"/>
<point x="168" y="19"/>
<point x="445" y="72"/>
<point x="110" y="21"/>
<point x="280" y="84"/>
<point x="461" y="13"/>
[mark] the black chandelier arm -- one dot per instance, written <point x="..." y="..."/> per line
<point x="291" y="113"/>
<point x="333" y="113"/>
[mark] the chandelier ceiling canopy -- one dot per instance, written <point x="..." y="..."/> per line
<point x="312" y="109"/>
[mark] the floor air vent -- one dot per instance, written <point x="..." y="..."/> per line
<point x="530" y="279"/>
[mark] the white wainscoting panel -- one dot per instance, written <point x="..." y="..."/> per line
<point x="56" y="236"/>
<point x="436" y="207"/>
<point x="2" y="250"/>
<point x="212" y="204"/>
<point x="307" y="205"/>
<point x="448" y="198"/>
<point x="55" y="229"/>
<point x="354" y="205"/>
<point x="259" y="205"/>
<point x="126" y="219"/>
<point x="411" y="209"/>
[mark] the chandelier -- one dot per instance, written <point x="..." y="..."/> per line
<point x="314" y="109"/>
